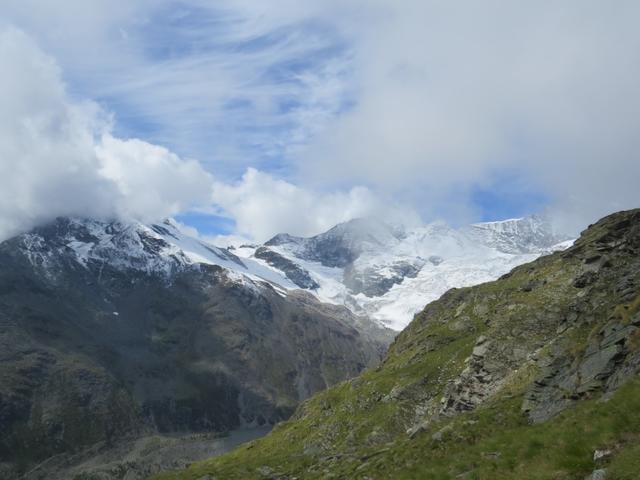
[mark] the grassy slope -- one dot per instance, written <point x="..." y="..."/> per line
<point x="358" y="429"/>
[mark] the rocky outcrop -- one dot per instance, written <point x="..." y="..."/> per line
<point x="611" y="355"/>
<point x="481" y="378"/>
<point x="293" y="272"/>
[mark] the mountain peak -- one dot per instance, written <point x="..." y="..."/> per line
<point x="282" y="239"/>
<point x="389" y="272"/>
<point x="519" y="235"/>
<point x="160" y="248"/>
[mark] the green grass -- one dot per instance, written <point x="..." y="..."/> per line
<point x="626" y="464"/>
<point x="495" y="442"/>
<point x="498" y="443"/>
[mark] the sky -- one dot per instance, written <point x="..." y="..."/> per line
<point x="246" y="118"/>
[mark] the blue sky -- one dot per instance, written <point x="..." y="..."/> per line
<point x="301" y="115"/>
<point x="208" y="224"/>
<point x="254" y="116"/>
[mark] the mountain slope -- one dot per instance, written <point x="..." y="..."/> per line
<point x="112" y="331"/>
<point x="524" y="377"/>
<point x="388" y="273"/>
<point x="531" y="234"/>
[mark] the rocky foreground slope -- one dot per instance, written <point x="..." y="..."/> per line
<point x="113" y="332"/>
<point x="533" y="376"/>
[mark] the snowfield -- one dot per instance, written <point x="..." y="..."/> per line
<point x="383" y="272"/>
<point x="444" y="257"/>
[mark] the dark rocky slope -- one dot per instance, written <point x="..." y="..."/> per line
<point x="533" y="376"/>
<point x="103" y="351"/>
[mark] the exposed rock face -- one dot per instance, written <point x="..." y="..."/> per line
<point x="611" y="355"/>
<point x="479" y="380"/>
<point x="373" y="283"/>
<point x="341" y="245"/>
<point x="524" y="377"/>
<point x="133" y="340"/>
<point x="295" y="273"/>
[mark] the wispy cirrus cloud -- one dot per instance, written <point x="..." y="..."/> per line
<point x="211" y="81"/>
<point x="67" y="159"/>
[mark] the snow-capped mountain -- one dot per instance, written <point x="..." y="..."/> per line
<point x="389" y="273"/>
<point x="519" y="235"/>
<point x="191" y="337"/>
<point x="157" y="248"/>
<point x="381" y="272"/>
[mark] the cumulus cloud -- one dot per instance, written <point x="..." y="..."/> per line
<point x="263" y="205"/>
<point x="152" y="181"/>
<point x="58" y="157"/>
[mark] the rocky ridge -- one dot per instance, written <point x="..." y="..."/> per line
<point x="532" y="376"/>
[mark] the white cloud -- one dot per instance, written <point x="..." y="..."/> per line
<point x="449" y="96"/>
<point x="210" y="80"/>
<point x="58" y="157"/>
<point x="152" y="181"/>
<point x="446" y="96"/>
<point x="263" y="205"/>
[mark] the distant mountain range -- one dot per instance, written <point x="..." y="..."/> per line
<point x="388" y="273"/>
<point x="383" y="273"/>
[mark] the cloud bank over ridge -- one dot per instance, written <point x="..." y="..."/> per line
<point x="324" y="108"/>
<point x="59" y="157"/>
